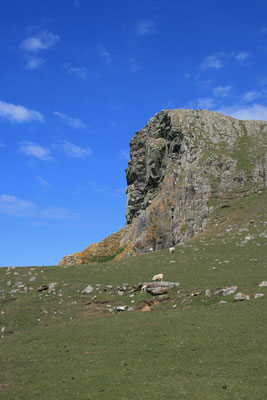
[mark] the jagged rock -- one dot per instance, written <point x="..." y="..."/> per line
<point x="226" y="291"/>
<point x="157" y="288"/>
<point x="258" y="295"/>
<point x="88" y="289"/>
<point x="121" y="308"/>
<point x="241" y="297"/>
<point x="179" y="162"/>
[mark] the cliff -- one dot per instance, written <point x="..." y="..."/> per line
<point x="184" y="166"/>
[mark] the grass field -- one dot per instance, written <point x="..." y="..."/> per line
<point x="71" y="345"/>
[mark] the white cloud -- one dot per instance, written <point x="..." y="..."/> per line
<point x="37" y="43"/>
<point x="106" y="56"/>
<point x="125" y="154"/>
<point x="34" y="63"/>
<point x="35" y="150"/>
<point x="81" y="72"/>
<point x="11" y="205"/>
<point x="242" y="57"/>
<point x="205" y="102"/>
<point x="17" y="113"/>
<point x="75" y="123"/>
<point x="251" y="95"/>
<point x="145" y="27"/>
<point x="42" y="181"/>
<point x="222" y="91"/>
<point x="215" y="61"/>
<point x="56" y="213"/>
<point x="253" y="112"/>
<point x="72" y="150"/>
<point x="134" y="65"/>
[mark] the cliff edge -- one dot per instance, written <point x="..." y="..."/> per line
<point x="184" y="166"/>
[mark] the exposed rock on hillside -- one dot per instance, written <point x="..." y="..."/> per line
<point x="184" y="165"/>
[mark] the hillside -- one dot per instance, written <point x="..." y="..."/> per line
<point x="64" y="343"/>
<point x="185" y="167"/>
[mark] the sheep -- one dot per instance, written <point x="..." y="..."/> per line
<point x="171" y="250"/>
<point x="151" y="249"/>
<point x="157" y="277"/>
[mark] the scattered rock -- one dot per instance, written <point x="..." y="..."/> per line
<point x="156" y="288"/>
<point x="121" y="308"/>
<point x="226" y="291"/>
<point x="258" y="295"/>
<point x="88" y="289"/>
<point x="241" y="297"/>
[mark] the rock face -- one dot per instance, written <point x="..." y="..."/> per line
<point x="184" y="165"/>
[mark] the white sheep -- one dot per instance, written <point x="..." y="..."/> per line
<point x="151" y="249"/>
<point x="157" y="277"/>
<point x="171" y="250"/>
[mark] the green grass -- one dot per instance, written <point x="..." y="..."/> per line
<point x="198" y="350"/>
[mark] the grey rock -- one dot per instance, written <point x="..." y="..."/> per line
<point x="241" y="297"/>
<point x="258" y="295"/>
<point x="88" y="289"/>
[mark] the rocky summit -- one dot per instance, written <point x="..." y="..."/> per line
<point x="185" y="166"/>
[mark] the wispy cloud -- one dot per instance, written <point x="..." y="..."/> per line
<point x="12" y="205"/>
<point x="251" y="95"/>
<point x="253" y="112"/>
<point x="76" y="3"/>
<point x="205" y="102"/>
<point x="263" y="29"/>
<point x="215" y="61"/>
<point x="219" y="60"/>
<point x="37" y="43"/>
<point x="42" y="181"/>
<point x="2" y="145"/>
<point x="34" y="150"/>
<point x="32" y="47"/>
<point x="222" y="91"/>
<point x="105" y="55"/>
<point x="134" y="65"/>
<point x="73" y="151"/>
<point x="75" y="123"/>
<point x="242" y="57"/>
<point x="80" y="72"/>
<point x="57" y="213"/>
<point x="125" y="154"/>
<point x="17" y="113"/>
<point x="145" y="27"/>
<point x="34" y="63"/>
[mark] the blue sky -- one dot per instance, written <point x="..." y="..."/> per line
<point x="78" y="78"/>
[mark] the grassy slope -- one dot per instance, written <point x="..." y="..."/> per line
<point x="199" y="350"/>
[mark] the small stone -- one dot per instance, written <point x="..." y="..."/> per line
<point x="207" y="294"/>
<point x="88" y="289"/>
<point x="222" y="302"/>
<point x="121" y="308"/>
<point x="258" y="295"/>
<point x="241" y="297"/>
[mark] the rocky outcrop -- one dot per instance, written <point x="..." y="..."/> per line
<point x="184" y="165"/>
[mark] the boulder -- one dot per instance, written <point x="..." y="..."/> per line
<point x="241" y="297"/>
